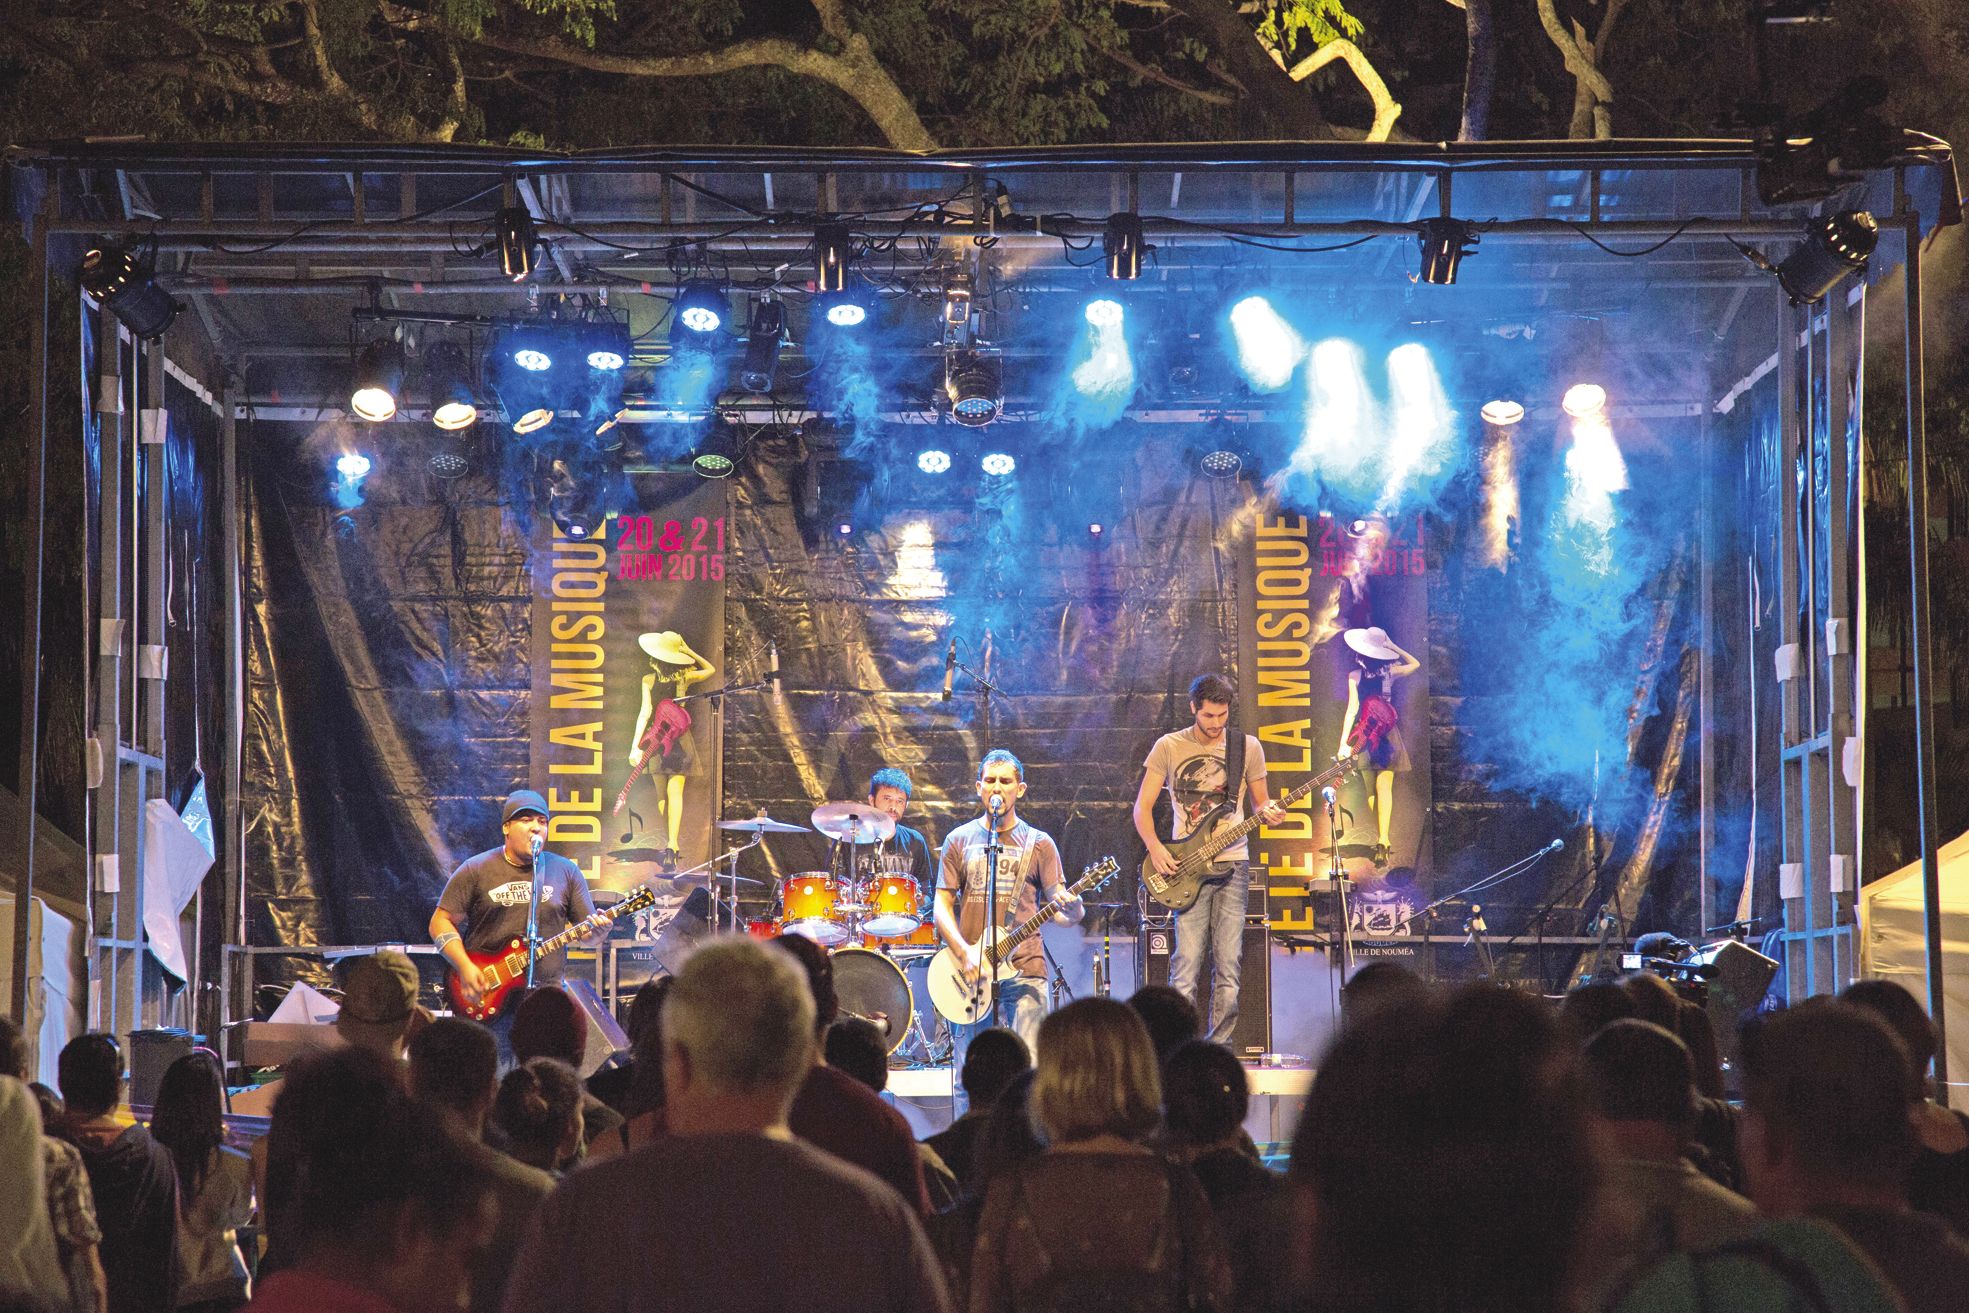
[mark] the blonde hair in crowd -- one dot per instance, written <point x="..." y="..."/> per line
<point x="1096" y="1074"/>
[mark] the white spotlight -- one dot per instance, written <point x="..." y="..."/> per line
<point x="1421" y="421"/>
<point x="1583" y="399"/>
<point x="1104" y="313"/>
<point x="1268" y="349"/>
<point x="1502" y="414"/>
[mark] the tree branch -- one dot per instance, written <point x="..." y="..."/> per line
<point x="1386" y="109"/>
<point x="1479" y="68"/>
<point x="1590" y="86"/>
<point x="854" y="71"/>
<point x="1284" y="104"/>
<point x="1161" y="78"/>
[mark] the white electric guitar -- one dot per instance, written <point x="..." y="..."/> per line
<point x="963" y="1002"/>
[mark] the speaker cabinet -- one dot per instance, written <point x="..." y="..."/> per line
<point x="1253" y="1034"/>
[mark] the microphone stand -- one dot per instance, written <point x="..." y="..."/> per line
<point x="1060" y="985"/>
<point x="1344" y="935"/>
<point x="1509" y="871"/>
<point x="533" y="910"/>
<point x="990" y="938"/>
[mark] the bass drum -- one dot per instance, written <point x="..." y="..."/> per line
<point x="873" y="988"/>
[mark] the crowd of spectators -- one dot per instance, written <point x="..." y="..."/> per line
<point x="1467" y="1150"/>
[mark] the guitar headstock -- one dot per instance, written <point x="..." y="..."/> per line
<point x="643" y="898"/>
<point x="1096" y="875"/>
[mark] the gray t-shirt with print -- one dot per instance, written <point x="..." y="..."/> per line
<point x="1193" y="773"/>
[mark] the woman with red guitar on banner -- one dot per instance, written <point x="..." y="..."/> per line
<point x="663" y="744"/>
<point x="1372" y="728"/>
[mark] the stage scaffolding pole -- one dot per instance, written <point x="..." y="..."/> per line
<point x="36" y="528"/>
<point x="1920" y="637"/>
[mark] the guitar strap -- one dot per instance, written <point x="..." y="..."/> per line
<point x="1233" y="776"/>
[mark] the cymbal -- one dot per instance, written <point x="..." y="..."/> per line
<point x="641" y="854"/>
<point x="853" y="822"/>
<point x="762" y="825"/>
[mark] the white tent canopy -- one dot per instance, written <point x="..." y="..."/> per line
<point x="1893" y="944"/>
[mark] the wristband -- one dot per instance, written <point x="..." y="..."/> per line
<point x="448" y="937"/>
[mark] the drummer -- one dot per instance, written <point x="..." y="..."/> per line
<point x="906" y="852"/>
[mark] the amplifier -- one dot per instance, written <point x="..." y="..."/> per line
<point x="1253" y="1035"/>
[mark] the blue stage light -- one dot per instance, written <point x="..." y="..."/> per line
<point x="844" y="528"/>
<point x="1420" y="425"/>
<point x="353" y="467"/>
<point x="608" y="347"/>
<point x="532" y="358"/>
<point x="847" y="314"/>
<point x="998" y="464"/>
<point x="701" y="306"/>
<point x="1104" y="313"/>
<point x="1107" y="375"/>
<point x="1268" y="348"/>
<point x="933" y="461"/>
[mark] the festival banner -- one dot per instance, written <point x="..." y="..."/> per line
<point x="1334" y="645"/>
<point x="628" y="653"/>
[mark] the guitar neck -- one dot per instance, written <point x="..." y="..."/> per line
<point x="1031" y="925"/>
<point x="1235" y="834"/>
<point x="575" y="932"/>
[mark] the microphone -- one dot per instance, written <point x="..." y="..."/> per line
<point x="949" y="666"/>
<point x="994" y="804"/>
<point x="539" y="843"/>
<point x="1732" y="927"/>
<point x="1329" y="795"/>
<point x="772" y="665"/>
<point x="1557" y="845"/>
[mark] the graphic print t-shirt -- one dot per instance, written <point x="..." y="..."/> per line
<point x="487" y="897"/>
<point x="1028" y="867"/>
<point x="1193" y="773"/>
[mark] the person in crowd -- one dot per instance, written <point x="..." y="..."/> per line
<point x="1172" y="1020"/>
<point x="1938" y="1181"/>
<point x="995" y="1057"/>
<point x="1694" y="1028"/>
<point x="613" y="1085"/>
<point x="538" y="1113"/>
<point x="215" y="1184"/>
<point x="1641" y="1101"/>
<point x="390" y="1207"/>
<point x="130" y="1175"/>
<point x="855" y="1046"/>
<point x="1096" y="1097"/>
<point x="644" y="1104"/>
<point x="1205" y="1096"/>
<point x="1005" y="1140"/>
<point x="836" y="1112"/>
<point x="1654" y="999"/>
<point x="1826" y="1132"/>
<point x="379" y="1002"/>
<point x="1374" y="983"/>
<point x="1444" y="1161"/>
<point x="454" y="1069"/>
<point x="549" y="1024"/>
<point x="30" y="1271"/>
<point x="1590" y="1005"/>
<point x="1715" y="1149"/>
<point x="71" y="1207"/>
<point x="721" y="1211"/>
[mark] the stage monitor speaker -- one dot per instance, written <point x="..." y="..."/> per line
<point x="151" y="1051"/>
<point x="605" y="1037"/>
<point x="1742" y="976"/>
<point x="1253" y="1034"/>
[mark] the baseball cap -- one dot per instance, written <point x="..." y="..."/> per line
<point x="522" y="800"/>
<point x="378" y="990"/>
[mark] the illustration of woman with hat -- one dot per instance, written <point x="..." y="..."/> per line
<point x="664" y="728"/>
<point x="1372" y="728"/>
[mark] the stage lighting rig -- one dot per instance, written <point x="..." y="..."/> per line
<point x="717" y="455"/>
<point x="763" y="335"/>
<point x="701" y="306"/>
<point x="515" y="237"/>
<point x="957" y="310"/>
<point x="607" y="346"/>
<point x="454" y="406"/>
<point x="378" y="379"/>
<point x="1121" y="246"/>
<point x="1584" y="400"/>
<point x="974" y="383"/>
<point x="933" y="460"/>
<point x="1501" y="414"/>
<point x="123" y="279"/>
<point x="1835" y="248"/>
<point x="533" y="346"/>
<point x="834" y="253"/>
<point x="1444" y="242"/>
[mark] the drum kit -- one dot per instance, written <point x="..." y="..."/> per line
<point x="869" y="911"/>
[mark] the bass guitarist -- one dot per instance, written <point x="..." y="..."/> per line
<point x="1192" y="764"/>
<point x="489" y="893"/>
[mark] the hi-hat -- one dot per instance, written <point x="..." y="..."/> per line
<point x="762" y="825"/>
<point x="853" y="822"/>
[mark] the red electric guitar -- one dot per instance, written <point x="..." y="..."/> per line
<point x="666" y="725"/>
<point x="507" y="966"/>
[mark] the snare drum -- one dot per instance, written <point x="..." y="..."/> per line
<point x="808" y="907"/>
<point x="923" y="941"/>
<point x="894" y="904"/>
<point x="762" y="927"/>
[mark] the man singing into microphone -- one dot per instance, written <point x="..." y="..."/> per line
<point x="1029" y="874"/>
<point x="1196" y="764"/>
<point x="489" y="893"/>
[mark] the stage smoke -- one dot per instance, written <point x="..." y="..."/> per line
<point x="1499" y="508"/>
<point x="1420" y="439"/>
<point x="1268" y="348"/>
<point x="1105" y="376"/>
<point x="1340" y="430"/>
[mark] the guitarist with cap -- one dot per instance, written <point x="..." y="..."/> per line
<point x="489" y="893"/>
<point x="1198" y="765"/>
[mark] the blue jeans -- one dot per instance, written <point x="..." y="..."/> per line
<point x="1022" y="1002"/>
<point x="1216" y="918"/>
